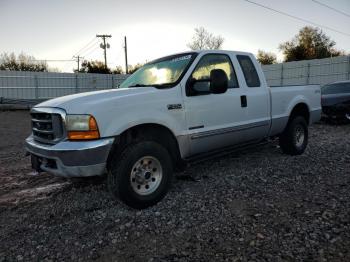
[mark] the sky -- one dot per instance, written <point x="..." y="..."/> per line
<point x="60" y="29"/>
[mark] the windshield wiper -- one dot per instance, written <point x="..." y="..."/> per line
<point x="138" y="85"/>
<point x="162" y="85"/>
<point x="154" y="85"/>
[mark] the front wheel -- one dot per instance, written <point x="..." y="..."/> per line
<point x="294" y="139"/>
<point x="141" y="175"/>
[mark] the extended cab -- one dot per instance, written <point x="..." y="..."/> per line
<point x="172" y="110"/>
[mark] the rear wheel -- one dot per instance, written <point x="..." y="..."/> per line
<point x="141" y="175"/>
<point x="294" y="139"/>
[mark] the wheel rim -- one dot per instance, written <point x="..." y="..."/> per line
<point x="146" y="175"/>
<point x="299" y="136"/>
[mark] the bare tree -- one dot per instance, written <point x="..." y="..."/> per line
<point x="22" y="62"/>
<point x="202" y="39"/>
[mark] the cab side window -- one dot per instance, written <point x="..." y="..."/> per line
<point x="249" y="71"/>
<point x="201" y="74"/>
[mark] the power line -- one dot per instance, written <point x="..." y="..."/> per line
<point x="93" y="50"/>
<point x="298" y="18"/>
<point x="332" y="8"/>
<point x="87" y="50"/>
<point x="87" y="45"/>
<point x="54" y="60"/>
<point x="92" y="40"/>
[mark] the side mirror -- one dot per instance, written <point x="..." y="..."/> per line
<point x="218" y="81"/>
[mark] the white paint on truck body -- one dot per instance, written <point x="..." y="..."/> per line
<point x="201" y="123"/>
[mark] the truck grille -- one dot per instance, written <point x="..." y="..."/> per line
<point x="47" y="127"/>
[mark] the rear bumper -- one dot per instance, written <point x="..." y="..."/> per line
<point x="71" y="159"/>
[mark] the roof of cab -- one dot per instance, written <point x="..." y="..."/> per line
<point x="223" y="52"/>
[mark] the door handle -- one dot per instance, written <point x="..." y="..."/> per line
<point x="244" y="101"/>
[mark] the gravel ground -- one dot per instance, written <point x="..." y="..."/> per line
<point x="256" y="205"/>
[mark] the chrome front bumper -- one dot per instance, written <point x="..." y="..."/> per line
<point x="72" y="159"/>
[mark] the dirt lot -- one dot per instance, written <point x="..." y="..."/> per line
<point x="255" y="205"/>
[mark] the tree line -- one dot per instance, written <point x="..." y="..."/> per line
<point x="98" y="67"/>
<point x="24" y="62"/>
<point x="308" y="43"/>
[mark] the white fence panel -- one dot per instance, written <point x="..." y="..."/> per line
<point x="273" y="74"/>
<point x="44" y="85"/>
<point x="317" y="71"/>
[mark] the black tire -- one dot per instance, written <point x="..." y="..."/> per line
<point x="290" y="142"/>
<point x="121" y="176"/>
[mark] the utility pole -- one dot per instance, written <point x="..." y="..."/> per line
<point x="104" y="46"/>
<point x="126" y="55"/>
<point x="78" y="57"/>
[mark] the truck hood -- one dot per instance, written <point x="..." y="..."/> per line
<point x="82" y="102"/>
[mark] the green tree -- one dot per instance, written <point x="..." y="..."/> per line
<point x="22" y="62"/>
<point x="202" y="39"/>
<point x="97" y="67"/>
<point x="266" y="58"/>
<point x="309" y="43"/>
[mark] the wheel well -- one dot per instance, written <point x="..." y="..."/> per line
<point x="154" y="132"/>
<point x="300" y="109"/>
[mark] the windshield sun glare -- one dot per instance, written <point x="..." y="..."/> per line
<point x="164" y="71"/>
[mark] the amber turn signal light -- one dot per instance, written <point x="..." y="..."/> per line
<point x="90" y="134"/>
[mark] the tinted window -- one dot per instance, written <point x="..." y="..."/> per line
<point x="336" y="88"/>
<point x="210" y="62"/>
<point x="249" y="71"/>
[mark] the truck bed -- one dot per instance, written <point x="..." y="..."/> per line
<point x="283" y="100"/>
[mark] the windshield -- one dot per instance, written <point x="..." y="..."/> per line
<point x="163" y="72"/>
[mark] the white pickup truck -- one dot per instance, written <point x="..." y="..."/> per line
<point x="171" y="111"/>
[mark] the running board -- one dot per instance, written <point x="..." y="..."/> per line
<point x="225" y="151"/>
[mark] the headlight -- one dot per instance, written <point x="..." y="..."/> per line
<point x="81" y="127"/>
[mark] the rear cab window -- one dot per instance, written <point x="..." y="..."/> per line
<point x="249" y="71"/>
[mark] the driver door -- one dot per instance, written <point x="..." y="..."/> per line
<point x="213" y="120"/>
